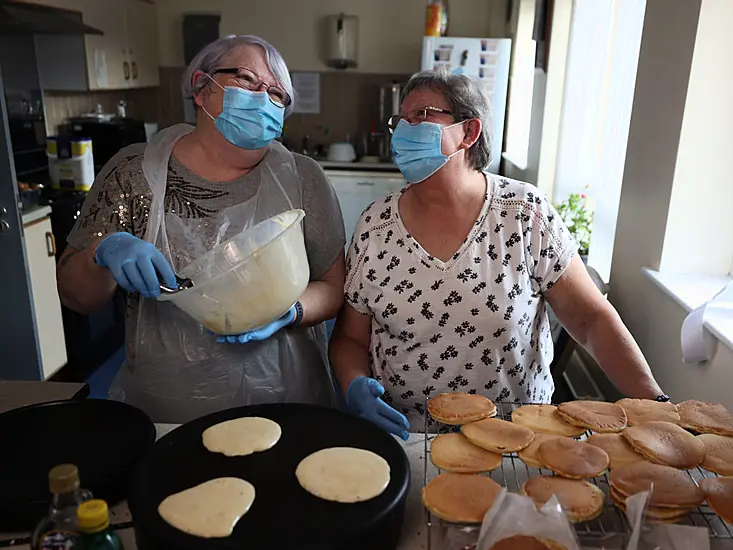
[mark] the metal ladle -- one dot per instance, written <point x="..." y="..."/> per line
<point x="181" y="284"/>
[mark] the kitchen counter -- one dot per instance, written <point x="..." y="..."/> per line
<point x="34" y="213"/>
<point x="416" y="535"/>
<point x="359" y="166"/>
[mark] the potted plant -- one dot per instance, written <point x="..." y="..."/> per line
<point x="578" y="216"/>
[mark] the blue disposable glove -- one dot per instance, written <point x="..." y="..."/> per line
<point x="363" y="397"/>
<point x="136" y="265"/>
<point x="261" y="333"/>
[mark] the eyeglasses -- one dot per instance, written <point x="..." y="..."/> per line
<point x="415" y="117"/>
<point x="248" y="79"/>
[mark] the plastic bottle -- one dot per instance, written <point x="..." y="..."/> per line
<point x="436" y="18"/>
<point x="58" y="531"/>
<point x="92" y="517"/>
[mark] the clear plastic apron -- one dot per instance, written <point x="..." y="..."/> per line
<point x="175" y="370"/>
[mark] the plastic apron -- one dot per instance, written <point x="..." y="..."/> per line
<point x="175" y="370"/>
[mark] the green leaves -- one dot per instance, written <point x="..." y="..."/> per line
<point x="579" y="219"/>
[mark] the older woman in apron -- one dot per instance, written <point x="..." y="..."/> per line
<point x="156" y="208"/>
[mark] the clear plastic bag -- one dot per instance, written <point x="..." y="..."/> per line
<point x="514" y="514"/>
<point x="657" y="536"/>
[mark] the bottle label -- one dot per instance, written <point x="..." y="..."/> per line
<point x="57" y="540"/>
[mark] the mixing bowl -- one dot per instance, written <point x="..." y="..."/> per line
<point x="249" y="280"/>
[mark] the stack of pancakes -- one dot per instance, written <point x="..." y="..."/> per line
<point x="673" y="492"/>
<point x="645" y="444"/>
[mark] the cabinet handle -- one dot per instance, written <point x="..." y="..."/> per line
<point x="365" y="183"/>
<point x="50" y="244"/>
<point x="134" y="70"/>
<point x="126" y="69"/>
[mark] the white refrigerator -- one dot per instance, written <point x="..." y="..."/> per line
<point x="485" y="59"/>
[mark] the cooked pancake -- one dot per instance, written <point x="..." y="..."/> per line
<point x="718" y="453"/>
<point x="617" y="448"/>
<point x="580" y="500"/>
<point x="498" y="436"/>
<point x="706" y="418"/>
<point x="454" y="453"/>
<point x="460" y="498"/>
<point x="659" y="515"/>
<point x="460" y="408"/>
<point x="672" y="488"/>
<point x="639" y="411"/>
<point x="574" y="459"/>
<point x="719" y="493"/>
<point x="666" y="443"/>
<point x="525" y="542"/>
<point x="595" y="415"/>
<point x="546" y="420"/>
<point x="530" y="455"/>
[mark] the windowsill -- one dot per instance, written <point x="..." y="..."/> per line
<point x="692" y="291"/>
<point x="514" y="159"/>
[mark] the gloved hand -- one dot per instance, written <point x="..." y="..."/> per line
<point x="261" y="333"/>
<point x="133" y="264"/>
<point x="363" y="398"/>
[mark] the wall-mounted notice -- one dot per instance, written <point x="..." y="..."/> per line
<point x="308" y="89"/>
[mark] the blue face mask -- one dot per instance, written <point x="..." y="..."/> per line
<point x="417" y="149"/>
<point x="248" y="119"/>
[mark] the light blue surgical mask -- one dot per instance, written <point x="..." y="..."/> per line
<point x="248" y="119"/>
<point x="417" y="149"/>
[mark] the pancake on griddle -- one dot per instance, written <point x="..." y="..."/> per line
<point x="460" y="408"/>
<point x="460" y="498"/>
<point x="666" y="443"/>
<point x="598" y="416"/>
<point x="718" y="453"/>
<point x="639" y="411"/>
<point x="617" y="448"/>
<point x="530" y="455"/>
<point x="719" y="494"/>
<point x="454" y="453"/>
<point x="574" y="459"/>
<point x="672" y="488"/>
<point x="706" y="418"/>
<point x="580" y="500"/>
<point x="498" y="436"/>
<point x="545" y="419"/>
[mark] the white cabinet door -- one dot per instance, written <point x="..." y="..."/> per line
<point x="357" y="190"/>
<point x="107" y="61"/>
<point x="40" y="250"/>
<point x="142" y="43"/>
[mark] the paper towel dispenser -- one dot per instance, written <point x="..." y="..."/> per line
<point x="343" y="40"/>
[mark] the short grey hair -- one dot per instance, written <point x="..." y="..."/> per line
<point x="466" y="100"/>
<point x="213" y="55"/>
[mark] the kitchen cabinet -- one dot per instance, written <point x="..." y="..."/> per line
<point x="357" y="190"/>
<point x="125" y="56"/>
<point x="40" y="249"/>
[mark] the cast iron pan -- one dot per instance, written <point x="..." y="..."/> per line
<point x="103" y="438"/>
<point x="283" y="516"/>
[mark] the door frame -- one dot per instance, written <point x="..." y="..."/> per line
<point x="19" y="349"/>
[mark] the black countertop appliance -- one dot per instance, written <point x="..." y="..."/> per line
<point x="108" y="134"/>
<point x="283" y="514"/>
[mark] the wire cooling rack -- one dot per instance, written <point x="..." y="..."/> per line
<point x="513" y="473"/>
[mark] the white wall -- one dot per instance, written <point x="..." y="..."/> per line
<point x="668" y="41"/>
<point x="390" y="31"/>
<point x="699" y="235"/>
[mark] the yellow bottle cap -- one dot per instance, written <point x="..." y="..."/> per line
<point x="92" y="516"/>
<point x="63" y="479"/>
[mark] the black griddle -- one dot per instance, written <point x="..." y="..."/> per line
<point x="283" y="516"/>
<point x="102" y="438"/>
